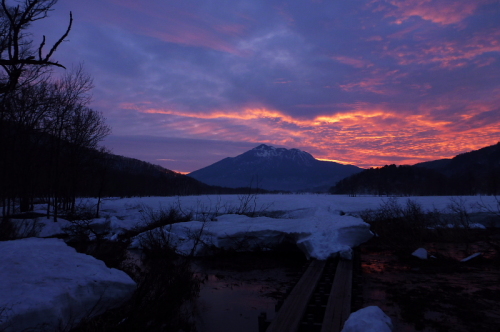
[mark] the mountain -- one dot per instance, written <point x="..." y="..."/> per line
<point x="273" y="168"/>
<point x="471" y="173"/>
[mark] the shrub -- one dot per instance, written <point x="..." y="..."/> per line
<point x="152" y="219"/>
<point x="401" y="226"/>
<point x="19" y="229"/>
<point x="166" y="286"/>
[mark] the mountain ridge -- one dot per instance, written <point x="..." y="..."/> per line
<point x="272" y="168"/>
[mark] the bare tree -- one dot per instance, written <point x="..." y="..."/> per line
<point x="18" y="57"/>
<point x="74" y="130"/>
<point x="21" y="65"/>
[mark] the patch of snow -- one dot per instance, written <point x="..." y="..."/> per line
<point x="265" y="151"/>
<point x="113" y="226"/>
<point x="369" y="319"/>
<point x="470" y="225"/>
<point x="471" y="257"/>
<point x="47" y="284"/>
<point x="420" y="253"/>
<point x="319" y="235"/>
<point x="477" y="226"/>
<point x="51" y="228"/>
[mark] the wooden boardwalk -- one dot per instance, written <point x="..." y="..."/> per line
<point x="290" y="315"/>
<point x="290" y="318"/>
<point x="338" y="308"/>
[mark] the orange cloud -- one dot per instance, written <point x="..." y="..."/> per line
<point x="363" y="134"/>
<point x="244" y="114"/>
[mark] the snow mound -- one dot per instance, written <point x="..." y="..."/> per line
<point x="420" y="253"/>
<point x="48" y="286"/>
<point x="320" y="235"/>
<point x="369" y="319"/>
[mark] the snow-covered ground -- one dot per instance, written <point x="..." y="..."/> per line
<point x="46" y="282"/>
<point x="128" y="207"/>
<point x="48" y="286"/>
<point x="321" y="225"/>
<point x="123" y="213"/>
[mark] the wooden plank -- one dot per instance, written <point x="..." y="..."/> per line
<point x="289" y="316"/>
<point x="338" y="307"/>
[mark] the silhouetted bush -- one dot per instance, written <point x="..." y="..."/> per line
<point x="401" y="226"/>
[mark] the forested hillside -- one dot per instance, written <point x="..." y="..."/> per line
<point x="471" y="173"/>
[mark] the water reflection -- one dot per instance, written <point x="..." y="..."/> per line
<point x="232" y="299"/>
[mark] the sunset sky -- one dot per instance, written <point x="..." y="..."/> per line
<point x="186" y="83"/>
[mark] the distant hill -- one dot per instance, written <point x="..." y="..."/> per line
<point x="476" y="161"/>
<point x="436" y="165"/>
<point x="471" y="173"/>
<point x="273" y="168"/>
<point x="394" y="180"/>
<point x="474" y="172"/>
<point x="123" y="176"/>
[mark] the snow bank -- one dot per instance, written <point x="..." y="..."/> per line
<point x="369" y="319"/>
<point x="320" y="234"/>
<point x="46" y="285"/>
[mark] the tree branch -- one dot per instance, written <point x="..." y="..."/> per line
<point x="29" y="61"/>
<point x="40" y="48"/>
<point x="56" y="45"/>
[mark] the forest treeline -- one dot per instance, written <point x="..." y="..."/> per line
<point x="49" y="136"/>
<point x="45" y="121"/>
<point x="472" y="173"/>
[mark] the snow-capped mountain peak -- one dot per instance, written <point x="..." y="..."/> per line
<point x="274" y="168"/>
<point x="267" y="151"/>
<point x="264" y="151"/>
